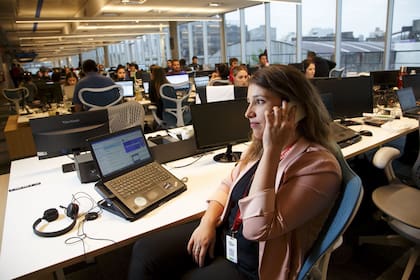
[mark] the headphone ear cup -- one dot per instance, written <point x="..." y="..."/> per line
<point x="50" y="215"/>
<point x="72" y="210"/>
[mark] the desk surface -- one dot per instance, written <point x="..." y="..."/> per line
<point x="23" y="252"/>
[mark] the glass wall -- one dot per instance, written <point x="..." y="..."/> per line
<point x="363" y="35"/>
<point x="255" y="33"/>
<point x="233" y="35"/>
<point x="406" y="34"/>
<point x="283" y="24"/>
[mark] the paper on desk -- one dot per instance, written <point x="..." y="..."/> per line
<point x="401" y="124"/>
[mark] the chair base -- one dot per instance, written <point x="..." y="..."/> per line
<point x="390" y="240"/>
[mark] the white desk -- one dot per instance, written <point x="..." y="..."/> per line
<point x="380" y="135"/>
<point x="23" y="252"/>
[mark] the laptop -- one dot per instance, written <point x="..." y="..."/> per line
<point x="408" y="103"/>
<point x="128" y="87"/>
<point x="343" y="135"/>
<point x="129" y="172"/>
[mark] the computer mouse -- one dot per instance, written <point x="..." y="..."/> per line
<point x="365" y="133"/>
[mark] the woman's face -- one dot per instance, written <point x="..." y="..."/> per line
<point x="71" y="81"/>
<point x="310" y="71"/>
<point x="260" y="100"/>
<point x="121" y="73"/>
<point x="241" y="79"/>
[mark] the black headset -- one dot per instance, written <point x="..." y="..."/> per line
<point x="50" y="215"/>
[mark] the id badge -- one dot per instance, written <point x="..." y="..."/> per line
<point x="231" y="249"/>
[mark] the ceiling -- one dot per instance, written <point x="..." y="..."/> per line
<point x="59" y="28"/>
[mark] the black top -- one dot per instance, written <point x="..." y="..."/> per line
<point x="247" y="250"/>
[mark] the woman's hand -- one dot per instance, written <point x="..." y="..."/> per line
<point x="280" y="126"/>
<point x="202" y="241"/>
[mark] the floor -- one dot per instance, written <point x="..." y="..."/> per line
<point x="348" y="262"/>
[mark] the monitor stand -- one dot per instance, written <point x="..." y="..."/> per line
<point x="228" y="156"/>
<point x="70" y="167"/>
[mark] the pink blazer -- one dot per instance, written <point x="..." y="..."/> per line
<point x="286" y="220"/>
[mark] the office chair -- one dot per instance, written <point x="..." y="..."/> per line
<point x="101" y="97"/>
<point x="16" y="95"/>
<point x="125" y="115"/>
<point x="315" y="265"/>
<point x="176" y="111"/>
<point x="398" y="203"/>
<point x="219" y="82"/>
<point x="336" y="72"/>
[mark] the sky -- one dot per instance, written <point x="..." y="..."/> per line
<point x="359" y="16"/>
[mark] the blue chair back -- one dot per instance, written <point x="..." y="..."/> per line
<point x="175" y="103"/>
<point x="340" y="218"/>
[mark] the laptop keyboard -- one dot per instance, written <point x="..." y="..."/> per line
<point x="139" y="180"/>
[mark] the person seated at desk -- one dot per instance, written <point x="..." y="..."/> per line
<point x="271" y="207"/>
<point x="309" y="68"/>
<point x="221" y="73"/>
<point x="92" y="80"/>
<point x="30" y="85"/>
<point x="194" y="64"/>
<point x="120" y="73"/>
<point x="240" y="76"/>
<point x="157" y="78"/>
<point x="176" y="68"/>
<point x="69" y="85"/>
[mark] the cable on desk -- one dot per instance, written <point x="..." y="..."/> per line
<point x="188" y="164"/>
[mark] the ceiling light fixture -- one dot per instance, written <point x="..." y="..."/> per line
<point x="118" y="19"/>
<point x="134" y="2"/>
<point x="215" y="4"/>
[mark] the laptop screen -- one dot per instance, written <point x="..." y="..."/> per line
<point x="406" y="99"/>
<point x="201" y="81"/>
<point x="128" y="87"/>
<point x="176" y="79"/>
<point x="121" y="151"/>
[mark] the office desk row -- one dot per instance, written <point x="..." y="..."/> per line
<point x="24" y="253"/>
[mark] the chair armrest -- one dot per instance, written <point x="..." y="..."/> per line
<point x="384" y="156"/>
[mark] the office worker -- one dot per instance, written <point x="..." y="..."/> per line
<point x="233" y="62"/>
<point x="309" y="68"/>
<point x="120" y="73"/>
<point x="176" y="68"/>
<point x="157" y="78"/>
<point x="92" y="79"/>
<point x="221" y="73"/>
<point x="271" y="207"/>
<point x="240" y="76"/>
<point x="69" y="86"/>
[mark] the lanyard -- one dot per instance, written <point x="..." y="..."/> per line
<point x="238" y="220"/>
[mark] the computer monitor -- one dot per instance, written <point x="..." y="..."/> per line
<point x="415" y="70"/>
<point x="238" y="93"/>
<point x="351" y="96"/>
<point x="385" y="79"/>
<point x="413" y="81"/>
<point x="201" y="81"/>
<point x="176" y="79"/>
<point x="67" y="134"/>
<point x="128" y="87"/>
<point x="221" y="124"/>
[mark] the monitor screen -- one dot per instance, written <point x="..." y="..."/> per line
<point x="128" y="87"/>
<point x="66" y="134"/>
<point x="201" y="81"/>
<point x="413" y="81"/>
<point x="176" y="79"/>
<point x="385" y="79"/>
<point x="221" y="124"/>
<point x="351" y="96"/>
